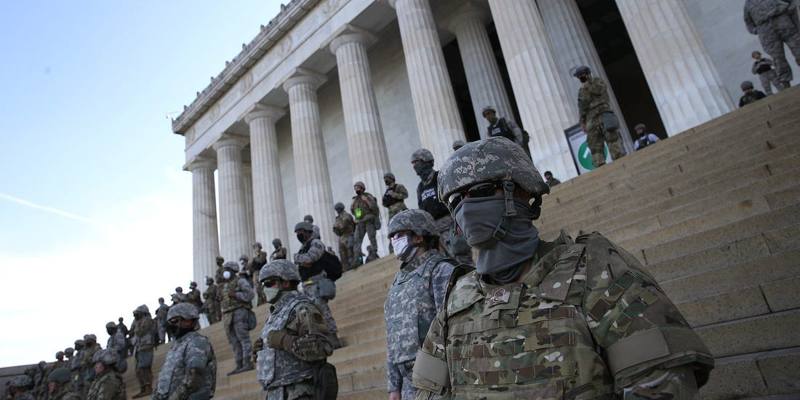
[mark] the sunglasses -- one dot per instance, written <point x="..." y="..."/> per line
<point x="480" y="190"/>
<point x="271" y="282"/>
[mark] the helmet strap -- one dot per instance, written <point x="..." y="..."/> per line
<point x="508" y="198"/>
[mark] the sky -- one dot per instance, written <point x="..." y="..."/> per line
<point x="95" y="209"/>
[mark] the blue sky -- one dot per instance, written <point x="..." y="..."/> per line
<point x="95" y="212"/>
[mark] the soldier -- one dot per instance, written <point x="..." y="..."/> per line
<point x="395" y="195"/>
<point x="315" y="284"/>
<point x="75" y="367"/>
<point x="762" y="67"/>
<point x="20" y="388"/>
<point x="259" y="260"/>
<point x="121" y="325"/>
<point x="296" y="340"/>
<point x="117" y="343"/>
<point x="343" y="227"/>
<point x="775" y="22"/>
<point x="550" y="180"/>
<point x="593" y="105"/>
<point x="194" y="297"/>
<point x="365" y="211"/>
<point x="458" y="144"/>
<point x="644" y="138"/>
<point x="211" y="295"/>
<point x="502" y="127"/>
<point x="58" y="387"/>
<point x="178" y="296"/>
<point x="237" y="296"/>
<point x="69" y="352"/>
<point x="280" y="252"/>
<point x="142" y="330"/>
<point x="39" y="379"/>
<point x="190" y="367"/>
<point x="310" y="220"/>
<point x="416" y="294"/>
<point x="107" y="384"/>
<point x="218" y="273"/>
<point x="751" y="95"/>
<point x="161" y="320"/>
<point x="540" y="319"/>
<point x="89" y="350"/>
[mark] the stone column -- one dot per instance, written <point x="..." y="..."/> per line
<point x="205" y="240"/>
<point x="269" y="211"/>
<point x="247" y="184"/>
<point x="308" y="148"/>
<point x="545" y="106"/>
<point x="572" y="46"/>
<point x="366" y="146"/>
<point x="685" y="85"/>
<point x="435" y="107"/>
<point x="483" y="74"/>
<point x="234" y="233"/>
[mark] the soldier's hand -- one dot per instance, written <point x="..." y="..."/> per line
<point x="394" y="395"/>
<point x="281" y="340"/>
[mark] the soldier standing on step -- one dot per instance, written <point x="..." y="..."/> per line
<point x="594" y="109"/>
<point x="259" y="260"/>
<point x="87" y="370"/>
<point x="751" y="95"/>
<point x="161" y="320"/>
<point x="75" y="366"/>
<point x="763" y="68"/>
<point x="142" y="330"/>
<point x="310" y="220"/>
<point x="775" y="22"/>
<point x="117" y="343"/>
<point x="394" y="197"/>
<point x="237" y="296"/>
<point x="190" y="366"/>
<point x="296" y="340"/>
<point x="280" y="252"/>
<point x="343" y="227"/>
<point x="218" y="274"/>
<point x="194" y="297"/>
<point x="368" y="219"/>
<point x="416" y="294"/>
<point x="539" y="319"/>
<point x="212" y="301"/>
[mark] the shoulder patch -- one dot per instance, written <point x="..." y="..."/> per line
<point x="464" y="293"/>
<point x="555" y="285"/>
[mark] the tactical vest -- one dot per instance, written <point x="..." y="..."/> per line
<point x="428" y="197"/>
<point x="174" y="369"/>
<point x="230" y="303"/>
<point x="143" y="331"/>
<point x="110" y="378"/>
<point x="501" y="129"/>
<point x="276" y="368"/>
<point x="526" y="338"/>
<point x="409" y="310"/>
<point x="643" y="142"/>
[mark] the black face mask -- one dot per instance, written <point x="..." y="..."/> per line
<point x="302" y="238"/>
<point x="583" y="78"/>
<point x="111" y="332"/>
<point x="423" y="169"/>
<point x="389" y="183"/>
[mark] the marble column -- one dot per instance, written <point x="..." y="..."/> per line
<point x="435" y="107"/>
<point x="269" y="211"/>
<point x="205" y="240"/>
<point x="308" y="148"/>
<point x="234" y="232"/>
<point x="483" y="74"/>
<point x="572" y="46"/>
<point x="545" y="106"/>
<point x="247" y="184"/>
<point x="683" y="80"/>
<point x="365" y="143"/>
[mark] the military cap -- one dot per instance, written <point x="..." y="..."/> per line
<point x="489" y="160"/>
<point x="59" y="375"/>
<point x="21" y="381"/>
<point x="338" y="206"/>
<point x="111" y="325"/>
<point x="283" y="269"/>
<point x="458" y="144"/>
<point x="142" y="309"/>
<point x="417" y="221"/>
<point x="90" y="336"/>
<point x="231" y="265"/>
<point x="359" y="183"/>
<point x="276" y="242"/>
<point x="747" y="85"/>
<point x="69" y="351"/>
<point x="309" y="218"/>
<point x="487" y="109"/>
<point x="423" y="155"/>
<point x="183" y="310"/>
<point x="106" y="357"/>
<point x="389" y="175"/>
<point x="304" y="226"/>
<point x="581" y="70"/>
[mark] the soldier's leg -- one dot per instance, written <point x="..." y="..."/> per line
<point x="615" y="144"/>
<point x="327" y="314"/>
<point x="300" y="391"/>
<point x="373" y="241"/>
<point x="344" y="252"/>
<point x="233" y="339"/>
<point x="243" y="335"/>
<point x="773" y="45"/>
<point x="358" y="237"/>
<point x="594" y="139"/>
<point x="766" y="81"/>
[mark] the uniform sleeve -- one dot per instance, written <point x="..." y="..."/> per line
<point x="110" y="390"/>
<point x="314" y="253"/>
<point x="244" y="292"/>
<point x="312" y="342"/>
<point x="430" y="375"/>
<point x="439" y="281"/>
<point x="399" y="192"/>
<point x="197" y="360"/>
<point x="394" y="381"/>
<point x="646" y="340"/>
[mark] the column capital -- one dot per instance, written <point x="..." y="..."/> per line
<point x="229" y="140"/>
<point x="201" y="163"/>
<point x="352" y="34"/>
<point x="466" y="13"/>
<point x="304" y="76"/>
<point x="258" y="111"/>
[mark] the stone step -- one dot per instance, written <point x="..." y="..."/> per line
<point x="748" y="335"/>
<point x="769" y="373"/>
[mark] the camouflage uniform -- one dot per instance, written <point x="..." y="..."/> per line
<point x="258" y="261"/>
<point x="366" y="213"/>
<point x="411" y="305"/>
<point x="593" y="102"/>
<point x="296" y="339"/>
<point x="212" y="309"/>
<point x="22" y="385"/>
<point x="161" y="320"/>
<point x="87" y="366"/>
<point x="118" y="344"/>
<point x="237" y="296"/>
<point x="190" y="366"/>
<point x="309" y="254"/>
<point x="393" y="199"/>
<point x="61" y="377"/>
<point x="194" y="297"/>
<point x="766" y="74"/>
<point x="279" y="254"/>
<point x="143" y="330"/>
<point x="775" y="22"/>
<point x="218" y="273"/>
<point x="75" y="366"/>
<point x="344" y="227"/>
<point x="108" y="385"/>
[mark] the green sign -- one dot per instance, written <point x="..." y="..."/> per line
<point x="585" y="156"/>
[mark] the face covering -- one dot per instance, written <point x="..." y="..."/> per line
<point x="226" y="274"/>
<point x="498" y="257"/>
<point x="404" y="250"/>
<point x="271" y="294"/>
<point x="583" y="78"/>
<point x="301" y="238"/>
<point x="423" y="169"/>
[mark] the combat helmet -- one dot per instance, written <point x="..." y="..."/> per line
<point x="231" y="265"/>
<point x="489" y="160"/>
<point x="142" y="309"/>
<point x="283" y="269"/>
<point x="389" y="175"/>
<point x="90" y="337"/>
<point x="746" y="85"/>
<point x="59" y="354"/>
<point x="339" y="207"/>
<point x="22" y="382"/>
<point x="580" y="70"/>
<point x="111" y="325"/>
<point x="423" y="155"/>
<point x="277" y="242"/>
<point x="304" y="226"/>
<point x="69" y="351"/>
<point x="417" y="221"/>
<point x="106" y="357"/>
<point x="59" y="375"/>
<point x="186" y="311"/>
<point x="80" y="343"/>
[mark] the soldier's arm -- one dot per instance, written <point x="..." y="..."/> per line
<point x="305" y="336"/>
<point x="400" y="192"/>
<point x="430" y="375"/>
<point x="314" y="253"/>
<point x="649" y="347"/>
<point x="110" y="390"/>
<point x="439" y="282"/>
<point x="748" y="22"/>
<point x="244" y="292"/>
<point x="197" y="360"/>
<point x="394" y="381"/>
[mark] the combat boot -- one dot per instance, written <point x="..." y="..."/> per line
<point x="237" y="369"/>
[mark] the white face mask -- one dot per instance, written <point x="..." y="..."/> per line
<point x="226" y="274"/>
<point x="402" y="248"/>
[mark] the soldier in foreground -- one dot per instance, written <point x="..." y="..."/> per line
<point x="190" y="367"/>
<point x="280" y="252"/>
<point x="237" y="296"/>
<point x="343" y="227"/>
<point x="161" y="320"/>
<point x="296" y="340"/>
<point x="211" y="306"/>
<point x="594" y="107"/>
<point x="415" y="296"/>
<point x="143" y="330"/>
<point x="537" y="319"/>
<point x="107" y="383"/>
<point x="310" y="262"/>
<point x="58" y="387"/>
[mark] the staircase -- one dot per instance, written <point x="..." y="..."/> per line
<point x="713" y="213"/>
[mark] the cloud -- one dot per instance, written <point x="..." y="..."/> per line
<point x="47" y="209"/>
